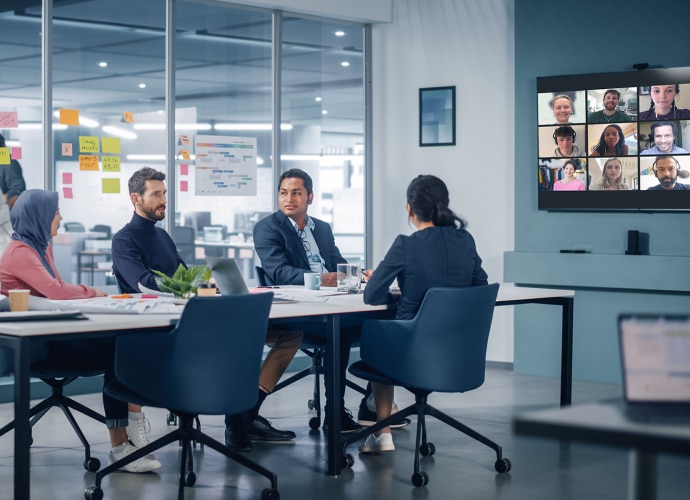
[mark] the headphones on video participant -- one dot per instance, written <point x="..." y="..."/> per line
<point x="683" y="174"/>
<point x="565" y="131"/>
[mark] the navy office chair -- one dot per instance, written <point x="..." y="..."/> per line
<point x="442" y="349"/>
<point x="314" y="346"/>
<point x="209" y="365"/>
<point x="58" y="374"/>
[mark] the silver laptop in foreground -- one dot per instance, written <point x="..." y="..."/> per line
<point x="655" y="358"/>
<point x="229" y="278"/>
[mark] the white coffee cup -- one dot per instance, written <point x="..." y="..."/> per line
<point x="349" y="278"/>
<point x="312" y="281"/>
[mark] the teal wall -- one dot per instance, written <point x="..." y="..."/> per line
<point x="564" y="38"/>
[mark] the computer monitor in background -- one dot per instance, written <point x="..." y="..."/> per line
<point x="197" y="220"/>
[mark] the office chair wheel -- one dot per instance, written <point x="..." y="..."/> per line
<point x="427" y="449"/>
<point x="92" y="464"/>
<point x="420" y="479"/>
<point x="93" y="493"/>
<point x="502" y="465"/>
<point x="348" y="461"/>
<point x="270" y="494"/>
<point x="189" y="478"/>
<point x="314" y="423"/>
<point x="310" y="404"/>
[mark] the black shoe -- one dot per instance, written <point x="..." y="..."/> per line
<point x="238" y="440"/>
<point x="347" y="422"/>
<point x="367" y="418"/>
<point x="261" y="429"/>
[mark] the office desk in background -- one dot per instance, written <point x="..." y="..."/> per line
<point x="242" y="251"/>
<point x="19" y="337"/>
<point x="606" y="423"/>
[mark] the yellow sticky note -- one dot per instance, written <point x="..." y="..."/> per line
<point x="69" y="116"/>
<point x="88" y="162"/>
<point x="5" y="156"/>
<point x="127" y="117"/>
<point x="110" y="163"/>
<point x="110" y="144"/>
<point x="185" y="154"/>
<point x="88" y="144"/>
<point x="111" y="185"/>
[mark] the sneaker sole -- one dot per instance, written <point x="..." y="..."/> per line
<point x="368" y="423"/>
<point x="372" y="451"/>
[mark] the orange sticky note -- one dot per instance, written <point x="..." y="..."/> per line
<point x="184" y="186"/>
<point x="69" y="116"/>
<point x="185" y="154"/>
<point x="88" y="162"/>
<point x="66" y="149"/>
<point x="67" y="193"/>
<point x="16" y="153"/>
<point x="127" y="117"/>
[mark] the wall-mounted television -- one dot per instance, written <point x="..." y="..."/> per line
<point x="614" y="141"/>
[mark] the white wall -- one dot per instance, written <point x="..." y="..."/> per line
<point x="469" y="45"/>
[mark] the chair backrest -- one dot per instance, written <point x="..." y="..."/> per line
<point x="260" y="276"/>
<point x="183" y="236"/>
<point x="103" y="228"/>
<point x="74" y="227"/>
<point x="208" y="364"/>
<point x="443" y="348"/>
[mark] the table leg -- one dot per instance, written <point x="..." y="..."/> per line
<point x="641" y="475"/>
<point x="567" y="352"/>
<point x="333" y="407"/>
<point x="22" y="430"/>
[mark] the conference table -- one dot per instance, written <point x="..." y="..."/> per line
<point x="325" y="307"/>
<point x="609" y="423"/>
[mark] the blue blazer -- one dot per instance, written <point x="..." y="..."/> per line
<point x="281" y="251"/>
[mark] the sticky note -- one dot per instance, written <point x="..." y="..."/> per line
<point x="88" y="162"/>
<point x="67" y="177"/>
<point x="184" y="169"/>
<point x="8" y="119"/>
<point x="110" y="163"/>
<point x="69" y="116"/>
<point x="184" y="140"/>
<point x="184" y="186"/>
<point x="88" y="144"/>
<point x="110" y="144"/>
<point x="185" y="154"/>
<point x="111" y="185"/>
<point x="127" y="117"/>
<point x="16" y="153"/>
<point x="67" y="193"/>
<point x="66" y="149"/>
<point x="5" y="156"/>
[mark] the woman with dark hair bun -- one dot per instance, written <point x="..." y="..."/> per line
<point x="611" y="142"/>
<point x="440" y="253"/>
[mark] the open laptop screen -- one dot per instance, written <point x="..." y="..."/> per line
<point x="655" y="357"/>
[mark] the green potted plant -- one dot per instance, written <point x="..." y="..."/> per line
<point x="184" y="282"/>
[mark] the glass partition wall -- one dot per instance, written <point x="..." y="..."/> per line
<point x="109" y="118"/>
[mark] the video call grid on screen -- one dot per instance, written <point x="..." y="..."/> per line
<point x="586" y="128"/>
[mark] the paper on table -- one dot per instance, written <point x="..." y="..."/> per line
<point x="143" y="289"/>
<point x="135" y="305"/>
<point x="37" y="304"/>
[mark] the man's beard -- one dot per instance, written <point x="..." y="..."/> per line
<point x="152" y="215"/>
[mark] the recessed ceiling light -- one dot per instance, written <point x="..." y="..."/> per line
<point x="339" y="33"/>
<point x="103" y="64"/>
<point x="344" y="64"/>
<point x="324" y="111"/>
<point x="318" y="99"/>
<point x="142" y="85"/>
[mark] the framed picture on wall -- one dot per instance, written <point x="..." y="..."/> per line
<point x="437" y="116"/>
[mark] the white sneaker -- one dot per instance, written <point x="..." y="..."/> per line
<point x="143" y="464"/>
<point x="378" y="444"/>
<point x="371" y="404"/>
<point x="138" y="431"/>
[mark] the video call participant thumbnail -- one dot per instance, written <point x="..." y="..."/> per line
<point x="667" y="170"/>
<point x="663" y="104"/>
<point x="564" y="138"/>
<point x="663" y="134"/>
<point x="610" y="113"/>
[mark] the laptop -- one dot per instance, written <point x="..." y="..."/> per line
<point x="229" y="278"/>
<point x="655" y="358"/>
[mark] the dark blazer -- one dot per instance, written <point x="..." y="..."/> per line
<point x="281" y="252"/>
<point x="434" y="257"/>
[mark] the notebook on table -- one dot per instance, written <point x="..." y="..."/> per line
<point x="229" y="278"/>
<point x="655" y="358"/>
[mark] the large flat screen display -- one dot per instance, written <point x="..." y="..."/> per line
<point x="614" y="141"/>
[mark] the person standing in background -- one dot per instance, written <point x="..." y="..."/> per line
<point x="11" y="179"/>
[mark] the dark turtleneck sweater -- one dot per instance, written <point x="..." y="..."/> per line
<point x="138" y="248"/>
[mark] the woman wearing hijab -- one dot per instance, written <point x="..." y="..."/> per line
<point x="27" y="263"/>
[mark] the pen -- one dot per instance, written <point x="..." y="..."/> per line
<point x="122" y="296"/>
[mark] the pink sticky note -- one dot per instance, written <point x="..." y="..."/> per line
<point x="67" y="177"/>
<point x="8" y="119"/>
<point x="16" y="153"/>
<point x="184" y="186"/>
<point x="184" y="169"/>
<point x="67" y="193"/>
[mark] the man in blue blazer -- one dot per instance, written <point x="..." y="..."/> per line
<point x="290" y="243"/>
